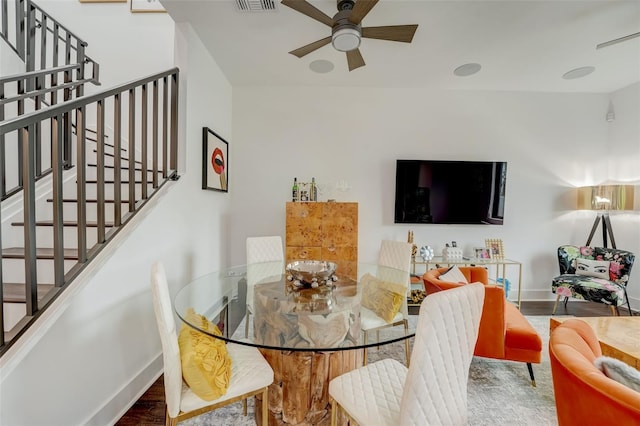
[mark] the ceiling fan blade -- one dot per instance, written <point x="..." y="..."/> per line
<point x="308" y="9"/>
<point x="402" y="33"/>
<point x="304" y="50"/>
<point x="354" y="59"/>
<point x="617" y="40"/>
<point x="360" y="10"/>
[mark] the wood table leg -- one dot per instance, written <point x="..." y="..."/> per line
<point x="300" y="392"/>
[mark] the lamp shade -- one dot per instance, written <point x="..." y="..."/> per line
<point x="606" y="197"/>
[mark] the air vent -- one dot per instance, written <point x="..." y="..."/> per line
<point x="256" y="5"/>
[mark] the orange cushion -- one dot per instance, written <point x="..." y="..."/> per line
<point x="520" y="333"/>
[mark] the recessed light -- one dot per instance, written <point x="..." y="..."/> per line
<point x="578" y="73"/>
<point x="321" y="66"/>
<point x="467" y="69"/>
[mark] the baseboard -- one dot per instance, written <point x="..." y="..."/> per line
<point x="121" y="402"/>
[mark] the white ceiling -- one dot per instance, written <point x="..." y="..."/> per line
<point x="521" y="45"/>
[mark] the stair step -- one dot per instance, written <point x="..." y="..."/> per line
<point x="41" y="253"/>
<point x="91" y="200"/>
<point x="108" y="154"/>
<point x="15" y="292"/>
<point x="149" y="181"/>
<point x="90" y="223"/>
<point x="108" y="166"/>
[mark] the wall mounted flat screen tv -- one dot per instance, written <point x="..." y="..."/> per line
<point x="450" y="192"/>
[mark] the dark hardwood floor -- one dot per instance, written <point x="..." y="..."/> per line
<point x="149" y="409"/>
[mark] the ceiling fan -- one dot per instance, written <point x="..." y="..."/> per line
<point x="346" y="29"/>
<point x="617" y="40"/>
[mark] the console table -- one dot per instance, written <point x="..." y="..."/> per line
<point x="500" y="265"/>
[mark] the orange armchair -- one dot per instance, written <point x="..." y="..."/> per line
<point x="584" y="395"/>
<point x="504" y="332"/>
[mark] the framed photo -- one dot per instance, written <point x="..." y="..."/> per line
<point x="215" y="161"/>
<point x="147" y="6"/>
<point x="482" y="253"/>
<point x="497" y="248"/>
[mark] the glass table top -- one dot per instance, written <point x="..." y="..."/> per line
<point x="261" y="305"/>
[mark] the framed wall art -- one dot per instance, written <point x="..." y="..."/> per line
<point x="497" y="248"/>
<point x="147" y="6"/>
<point x="215" y="161"/>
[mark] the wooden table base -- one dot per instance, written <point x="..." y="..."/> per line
<point x="299" y="394"/>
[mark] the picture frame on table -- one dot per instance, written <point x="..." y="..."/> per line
<point x="215" y="161"/>
<point x="496" y="246"/>
<point x="147" y="6"/>
<point x="482" y="253"/>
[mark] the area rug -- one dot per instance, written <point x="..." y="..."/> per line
<point x="500" y="392"/>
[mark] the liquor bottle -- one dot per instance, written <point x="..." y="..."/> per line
<point x="294" y="190"/>
<point x="314" y="191"/>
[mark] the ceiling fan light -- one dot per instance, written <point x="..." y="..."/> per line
<point x="346" y="39"/>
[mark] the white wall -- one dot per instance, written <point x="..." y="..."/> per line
<point x="101" y="350"/>
<point x="126" y="45"/>
<point x="552" y="142"/>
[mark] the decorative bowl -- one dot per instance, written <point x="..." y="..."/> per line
<point x="311" y="273"/>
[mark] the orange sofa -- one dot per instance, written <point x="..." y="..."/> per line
<point x="584" y="395"/>
<point x="504" y="332"/>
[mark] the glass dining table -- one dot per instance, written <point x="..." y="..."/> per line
<point x="308" y="332"/>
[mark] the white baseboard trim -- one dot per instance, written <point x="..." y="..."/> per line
<point x="122" y="401"/>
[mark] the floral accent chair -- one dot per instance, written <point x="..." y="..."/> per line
<point x="595" y="274"/>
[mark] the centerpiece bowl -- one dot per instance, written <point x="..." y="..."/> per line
<point x="311" y="273"/>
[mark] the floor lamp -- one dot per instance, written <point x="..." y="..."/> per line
<point x="605" y="198"/>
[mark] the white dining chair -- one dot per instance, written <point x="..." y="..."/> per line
<point x="250" y="373"/>
<point x="394" y="265"/>
<point x="265" y="258"/>
<point x="433" y="390"/>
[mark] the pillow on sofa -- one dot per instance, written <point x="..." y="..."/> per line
<point x="453" y="275"/>
<point x="592" y="268"/>
<point x="619" y="371"/>
<point x="382" y="297"/>
<point x="206" y="365"/>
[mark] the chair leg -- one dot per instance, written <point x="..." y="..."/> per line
<point x="530" y="368"/>
<point x="407" y="354"/>
<point x="334" y="412"/>
<point x="244" y="407"/>
<point x="613" y="310"/>
<point x="168" y="421"/>
<point x="265" y="407"/>
<point x="555" y="305"/>
<point x="626" y="296"/>
<point x="364" y="356"/>
<point x="566" y="299"/>
<point x="246" y="323"/>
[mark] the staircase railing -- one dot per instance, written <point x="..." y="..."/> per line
<point x="149" y="160"/>
<point x="49" y="86"/>
<point x="41" y="41"/>
<point x="57" y="69"/>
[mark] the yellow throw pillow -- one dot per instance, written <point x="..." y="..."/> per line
<point x="206" y="365"/>
<point x="382" y="297"/>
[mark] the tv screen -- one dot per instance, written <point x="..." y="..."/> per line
<point x="450" y="192"/>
